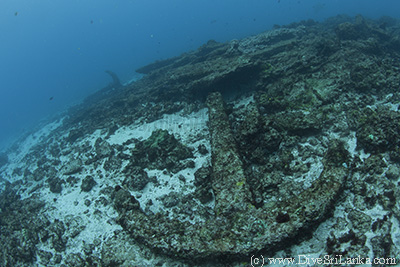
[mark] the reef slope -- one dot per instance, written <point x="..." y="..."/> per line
<point x="281" y="144"/>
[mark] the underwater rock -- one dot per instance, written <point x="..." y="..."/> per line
<point x="365" y="76"/>
<point x="336" y="154"/>
<point x="354" y="30"/>
<point x="171" y="200"/>
<point x="55" y="184"/>
<point x="119" y="250"/>
<point x="57" y="238"/>
<point x="124" y="201"/>
<point x="202" y="149"/>
<point x="361" y="222"/>
<point x="297" y="122"/>
<point x="381" y="244"/>
<point x="136" y="178"/>
<point x="82" y="259"/>
<point x="378" y="130"/>
<point x="348" y="31"/>
<point x="72" y="181"/>
<point x="75" y="225"/>
<point x="103" y="149"/>
<point x="113" y="163"/>
<point x="160" y="151"/>
<point x="256" y="137"/>
<point x="74" y="135"/>
<point x="72" y="167"/>
<point x="88" y="183"/>
<point x="202" y="181"/>
<point x="393" y="172"/>
<point x="22" y="228"/>
<point x="45" y="257"/>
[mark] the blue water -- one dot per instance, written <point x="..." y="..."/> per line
<point x="59" y="50"/>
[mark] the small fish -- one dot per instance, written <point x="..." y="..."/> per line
<point x="51" y="98"/>
<point x="91" y="22"/>
<point x="16" y="14"/>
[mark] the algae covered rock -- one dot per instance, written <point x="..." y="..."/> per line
<point x="136" y="178"/>
<point x="22" y="225"/>
<point x="55" y="184"/>
<point x="88" y="183"/>
<point x="378" y="130"/>
<point x="202" y="181"/>
<point x="161" y="151"/>
<point x="73" y="166"/>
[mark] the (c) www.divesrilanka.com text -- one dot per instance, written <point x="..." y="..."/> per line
<point x="326" y="260"/>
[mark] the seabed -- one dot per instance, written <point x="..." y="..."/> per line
<point x="282" y="145"/>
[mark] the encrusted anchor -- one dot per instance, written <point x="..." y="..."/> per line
<point x="237" y="228"/>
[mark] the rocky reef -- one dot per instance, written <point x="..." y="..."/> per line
<point x="281" y="144"/>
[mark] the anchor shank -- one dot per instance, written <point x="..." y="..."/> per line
<point x="231" y="190"/>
